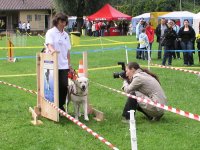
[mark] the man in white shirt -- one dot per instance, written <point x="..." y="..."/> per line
<point x="24" y="27"/>
<point x="28" y="27"/>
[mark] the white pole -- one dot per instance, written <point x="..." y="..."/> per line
<point x="133" y="131"/>
<point x="101" y="43"/>
<point x="126" y="54"/>
<point x="149" y="57"/>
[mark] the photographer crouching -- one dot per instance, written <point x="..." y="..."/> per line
<point x="144" y="84"/>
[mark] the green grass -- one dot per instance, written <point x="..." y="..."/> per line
<point x="171" y="132"/>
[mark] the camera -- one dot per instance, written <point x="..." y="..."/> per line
<point x="121" y="74"/>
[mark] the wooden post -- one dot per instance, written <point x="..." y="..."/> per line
<point x="10" y="51"/>
<point x="35" y="120"/>
<point x="99" y="116"/>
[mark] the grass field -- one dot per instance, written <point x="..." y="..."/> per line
<point x="171" y="132"/>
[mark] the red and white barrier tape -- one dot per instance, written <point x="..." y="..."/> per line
<point x="18" y="87"/>
<point x="162" y="106"/>
<point x="178" y="69"/>
<point x="83" y="126"/>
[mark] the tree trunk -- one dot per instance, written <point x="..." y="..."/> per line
<point x="80" y="11"/>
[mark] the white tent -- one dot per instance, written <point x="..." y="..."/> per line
<point x="196" y="22"/>
<point x="179" y="15"/>
<point x="136" y="19"/>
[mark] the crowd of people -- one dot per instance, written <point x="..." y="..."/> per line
<point x="170" y="37"/>
<point x="98" y="28"/>
<point x="24" y="27"/>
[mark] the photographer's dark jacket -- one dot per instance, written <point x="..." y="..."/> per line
<point x="146" y="86"/>
<point x="169" y="37"/>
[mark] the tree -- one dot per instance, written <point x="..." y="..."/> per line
<point x="79" y="8"/>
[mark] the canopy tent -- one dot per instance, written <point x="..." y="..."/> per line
<point x="196" y="23"/>
<point x="179" y="15"/>
<point x="108" y="13"/>
<point x="135" y="20"/>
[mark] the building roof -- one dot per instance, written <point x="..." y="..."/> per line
<point x="26" y="4"/>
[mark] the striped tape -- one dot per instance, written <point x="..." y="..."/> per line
<point x="83" y="126"/>
<point x="177" y="69"/>
<point x="162" y="106"/>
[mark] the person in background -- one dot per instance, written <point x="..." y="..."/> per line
<point x="24" y="27"/>
<point x="97" y="28"/>
<point x="150" y="34"/>
<point x="177" y="45"/>
<point x="198" y="42"/>
<point x="187" y="37"/>
<point x="159" y="33"/>
<point x="57" y="40"/>
<point x="94" y="29"/>
<point x="144" y="43"/>
<point x="89" y="28"/>
<point x="142" y="83"/>
<point x="20" y="26"/>
<point x="169" y="40"/>
<point x="130" y="29"/>
<point x="139" y="28"/>
<point x="28" y="27"/>
<point x="120" y="28"/>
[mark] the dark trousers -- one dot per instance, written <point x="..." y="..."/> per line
<point x="144" y="53"/>
<point x="198" y="46"/>
<point x="177" y="46"/>
<point x="138" y="51"/>
<point x="159" y="50"/>
<point x="199" y="55"/>
<point x="167" y="55"/>
<point x="188" y="56"/>
<point x="131" y="104"/>
<point x="63" y="86"/>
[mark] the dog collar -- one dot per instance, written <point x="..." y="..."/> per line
<point x="79" y="95"/>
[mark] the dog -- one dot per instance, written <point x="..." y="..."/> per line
<point x="78" y="92"/>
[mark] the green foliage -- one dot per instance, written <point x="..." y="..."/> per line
<point x="137" y="7"/>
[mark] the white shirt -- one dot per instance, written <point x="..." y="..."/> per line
<point x="61" y="43"/>
<point x="28" y="26"/>
<point x="143" y="39"/>
<point x="20" y="26"/>
<point x="24" y="26"/>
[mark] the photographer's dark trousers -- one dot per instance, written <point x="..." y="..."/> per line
<point x="132" y="104"/>
<point x="63" y="87"/>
